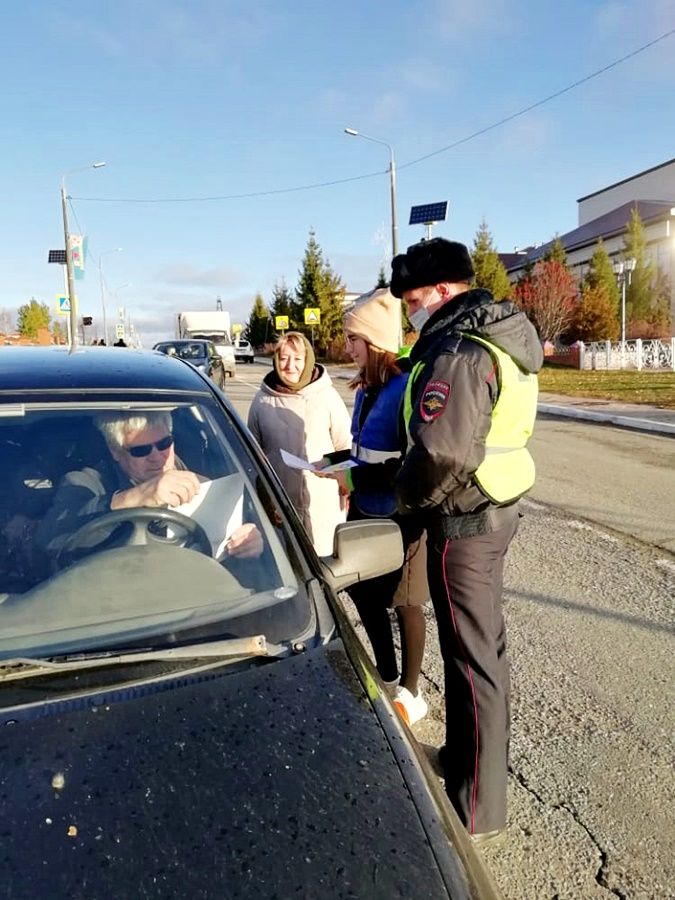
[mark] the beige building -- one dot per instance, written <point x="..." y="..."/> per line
<point x="606" y="213"/>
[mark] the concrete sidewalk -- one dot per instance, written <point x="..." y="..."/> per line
<point x="639" y="417"/>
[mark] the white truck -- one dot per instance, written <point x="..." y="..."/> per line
<point x="210" y="325"/>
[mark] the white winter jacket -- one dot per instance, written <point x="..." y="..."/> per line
<point x="307" y="423"/>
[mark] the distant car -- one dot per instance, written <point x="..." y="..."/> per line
<point x="201" y="354"/>
<point x="243" y="351"/>
<point x="177" y="721"/>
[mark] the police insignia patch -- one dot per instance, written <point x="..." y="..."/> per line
<point x="434" y="400"/>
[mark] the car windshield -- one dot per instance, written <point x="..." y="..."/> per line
<point x="190" y="351"/>
<point x="216" y="337"/>
<point x="78" y="573"/>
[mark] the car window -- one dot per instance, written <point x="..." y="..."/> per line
<point x="77" y="574"/>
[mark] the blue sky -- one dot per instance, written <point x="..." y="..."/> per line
<point x="211" y="98"/>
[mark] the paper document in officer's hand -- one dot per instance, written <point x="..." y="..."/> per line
<point x="295" y="462"/>
<point x="218" y="508"/>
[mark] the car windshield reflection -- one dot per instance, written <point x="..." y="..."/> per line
<point x="125" y="522"/>
<point x="184" y="350"/>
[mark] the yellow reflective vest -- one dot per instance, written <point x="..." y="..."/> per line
<point x="507" y="471"/>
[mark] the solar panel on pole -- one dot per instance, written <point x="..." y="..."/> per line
<point x="428" y="213"/>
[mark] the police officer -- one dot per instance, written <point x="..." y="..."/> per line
<point x="469" y="410"/>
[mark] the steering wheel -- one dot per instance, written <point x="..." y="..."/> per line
<point x="191" y="536"/>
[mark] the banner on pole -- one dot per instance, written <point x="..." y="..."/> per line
<point x="78" y="250"/>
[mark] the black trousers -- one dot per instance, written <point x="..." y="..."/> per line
<point x="466" y="581"/>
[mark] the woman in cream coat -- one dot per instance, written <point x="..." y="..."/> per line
<point x="297" y="409"/>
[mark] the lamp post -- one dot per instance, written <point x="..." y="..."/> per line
<point x="70" y="278"/>
<point x="392" y="183"/>
<point x="623" y="269"/>
<point x="123" y="315"/>
<point x="100" y="272"/>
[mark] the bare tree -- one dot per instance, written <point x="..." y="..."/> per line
<point x="548" y="296"/>
<point x="6" y="321"/>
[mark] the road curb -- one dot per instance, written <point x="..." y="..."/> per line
<point x="567" y="412"/>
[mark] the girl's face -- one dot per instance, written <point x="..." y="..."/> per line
<point x="292" y="363"/>
<point x="357" y="348"/>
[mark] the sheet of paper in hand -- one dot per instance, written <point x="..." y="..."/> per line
<point x="218" y="508"/>
<point x="295" y="462"/>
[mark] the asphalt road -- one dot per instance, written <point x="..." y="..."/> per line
<point x="589" y="594"/>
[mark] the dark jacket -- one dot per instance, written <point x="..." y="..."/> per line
<point x="452" y="401"/>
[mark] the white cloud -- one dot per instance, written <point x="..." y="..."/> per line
<point x="186" y="274"/>
<point x="456" y="20"/>
<point x="203" y="31"/>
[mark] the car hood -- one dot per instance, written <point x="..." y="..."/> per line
<point x="273" y="781"/>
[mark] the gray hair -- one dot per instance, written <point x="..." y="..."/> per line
<point x="115" y="426"/>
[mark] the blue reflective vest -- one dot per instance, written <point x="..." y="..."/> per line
<point x="377" y="440"/>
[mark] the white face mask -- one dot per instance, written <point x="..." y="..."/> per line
<point x="419" y="318"/>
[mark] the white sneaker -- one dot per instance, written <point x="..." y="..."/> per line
<point x="391" y="687"/>
<point x="411" y="709"/>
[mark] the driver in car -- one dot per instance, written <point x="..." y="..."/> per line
<point x="146" y="473"/>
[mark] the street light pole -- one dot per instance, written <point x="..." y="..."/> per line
<point x="392" y="194"/>
<point x="100" y="272"/>
<point x="623" y="269"/>
<point x="70" y="278"/>
<point x="392" y="183"/>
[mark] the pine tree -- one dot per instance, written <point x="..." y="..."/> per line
<point x="556" y="252"/>
<point x="595" y="317"/>
<point x="282" y="301"/>
<point x="31" y="317"/>
<point x="382" y="279"/>
<point x="639" y="291"/>
<point x="319" y="288"/>
<point x="489" y="269"/>
<point x="257" y="328"/>
<point x="601" y="274"/>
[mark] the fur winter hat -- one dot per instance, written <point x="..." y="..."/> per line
<point x="429" y="263"/>
<point x="376" y="317"/>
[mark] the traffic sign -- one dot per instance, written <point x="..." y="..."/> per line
<point x="281" y="323"/>
<point x="237" y="329"/>
<point x="312" y="316"/>
<point x="119" y="330"/>
<point x="62" y="305"/>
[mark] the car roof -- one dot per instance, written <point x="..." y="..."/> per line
<point x="94" y="368"/>
<point x="178" y="341"/>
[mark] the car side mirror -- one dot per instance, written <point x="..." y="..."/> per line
<point x="363" y="550"/>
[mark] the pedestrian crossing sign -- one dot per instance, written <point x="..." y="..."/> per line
<point x="62" y="305"/>
<point x="312" y="316"/>
<point x="281" y="323"/>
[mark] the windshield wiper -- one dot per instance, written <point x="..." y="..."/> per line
<point x="26" y="667"/>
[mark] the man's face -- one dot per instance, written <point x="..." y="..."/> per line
<point x="427" y="298"/>
<point x="143" y="468"/>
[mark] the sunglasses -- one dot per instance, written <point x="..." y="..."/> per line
<point x="146" y="449"/>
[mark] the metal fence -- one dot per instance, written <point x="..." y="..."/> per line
<point x="637" y="354"/>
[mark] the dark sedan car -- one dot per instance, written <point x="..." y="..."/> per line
<point x="186" y="711"/>
<point x="201" y="354"/>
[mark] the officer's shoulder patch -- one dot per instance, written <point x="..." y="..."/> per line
<point x="434" y="400"/>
